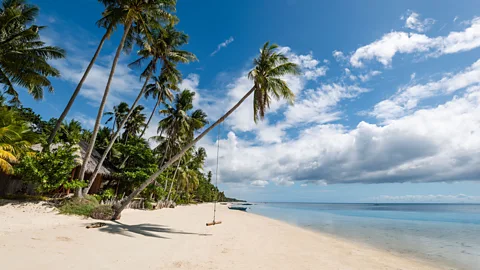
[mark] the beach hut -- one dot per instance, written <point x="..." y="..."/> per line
<point x="10" y="184"/>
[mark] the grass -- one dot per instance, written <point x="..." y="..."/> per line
<point x="79" y="206"/>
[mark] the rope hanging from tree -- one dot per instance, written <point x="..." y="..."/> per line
<point x="214" y="222"/>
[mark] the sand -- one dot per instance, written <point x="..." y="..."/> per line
<point x="33" y="236"/>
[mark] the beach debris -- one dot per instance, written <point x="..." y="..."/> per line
<point x="96" y="225"/>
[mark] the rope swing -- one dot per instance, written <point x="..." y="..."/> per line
<point x="214" y="222"/>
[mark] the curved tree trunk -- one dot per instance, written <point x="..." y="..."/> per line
<point x="104" y="100"/>
<point x="150" y="118"/>
<point x="115" y="136"/>
<point x="79" y="87"/>
<point x="119" y="208"/>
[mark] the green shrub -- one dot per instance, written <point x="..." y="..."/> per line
<point x="79" y="206"/>
<point x="103" y="212"/>
<point x="50" y="170"/>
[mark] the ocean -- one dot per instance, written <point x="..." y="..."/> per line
<point x="447" y="234"/>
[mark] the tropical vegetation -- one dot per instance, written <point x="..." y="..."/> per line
<point x="158" y="170"/>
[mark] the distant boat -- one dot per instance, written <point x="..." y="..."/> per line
<point x="240" y="208"/>
<point x="246" y="204"/>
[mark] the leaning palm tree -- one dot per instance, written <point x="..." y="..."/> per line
<point x="144" y="14"/>
<point x="162" y="45"/>
<point x="23" y="56"/>
<point x="269" y="67"/>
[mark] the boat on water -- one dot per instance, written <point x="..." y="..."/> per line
<point x="239" y="208"/>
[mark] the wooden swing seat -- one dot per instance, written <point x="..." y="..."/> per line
<point x="214" y="223"/>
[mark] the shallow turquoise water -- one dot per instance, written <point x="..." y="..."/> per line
<point x="448" y="234"/>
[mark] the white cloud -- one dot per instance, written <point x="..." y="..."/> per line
<point x="87" y="122"/>
<point x="413" y="21"/>
<point x="384" y="49"/>
<point x="259" y="183"/>
<point x="413" y="75"/>
<point x="318" y="105"/>
<point x="455" y="19"/>
<point x="241" y="120"/>
<point x="338" y="55"/>
<point x="222" y="45"/>
<point x="409" y="97"/>
<point x="458" y="198"/>
<point x="390" y="44"/>
<point x="438" y="144"/>
<point x="367" y="76"/>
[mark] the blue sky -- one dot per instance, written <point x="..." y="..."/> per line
<point x="387" y="107"/>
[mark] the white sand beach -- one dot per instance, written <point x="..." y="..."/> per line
<point x="35" y="237"/>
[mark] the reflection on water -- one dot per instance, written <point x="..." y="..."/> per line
<point x="445" y="233"/>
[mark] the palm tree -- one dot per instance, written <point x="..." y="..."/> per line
<point x="119" y="113"/>
<point x="188" y="178"/>
<point x="23" y="56"/>
<point x="116" y="12"/>
<point x="179" y="126"/>
<point x="15" y="139"/>
<point x="269" y="67"/>
<point x="160" y="90"/>
<point x="144" y="14"/>
<point x="135" y="122"/>
<point x="162" y="45"/>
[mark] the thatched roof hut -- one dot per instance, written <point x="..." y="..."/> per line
<point x="106" y="170"/>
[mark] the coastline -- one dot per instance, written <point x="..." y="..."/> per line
<point x="178" y="239"/>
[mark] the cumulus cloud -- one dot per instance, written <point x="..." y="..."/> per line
<point x="409" y="97"/>
<point x="222" y="45"/>
<point x="413" y="21"/>
<point x="432" y="145"/>
<point x="384" y="49"/>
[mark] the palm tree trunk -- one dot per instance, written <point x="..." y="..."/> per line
<point x="117" y="133"/>
<point x="173" y="180"/>
<point x="104" y="100"/>
<point x="151" y="116"/>
<point x="79" y="86"/>
<point x="119" y="208"/>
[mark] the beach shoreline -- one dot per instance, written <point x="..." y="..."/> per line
<point x="178" y="239"/>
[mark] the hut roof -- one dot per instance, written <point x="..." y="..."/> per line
<point x="106" y="169"/>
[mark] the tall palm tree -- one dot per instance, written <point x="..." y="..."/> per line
<point x="160" y="90"/>
<point x="15" y="139"/>
<point x="23" y="56"/>
<point x="162" y="45"/>
<point x="144" y="14"/>
<point x="116" y="13"/>
<point x="269" y="67"/>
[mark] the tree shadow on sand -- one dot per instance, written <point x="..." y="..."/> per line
<point x="149" y="230"/>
